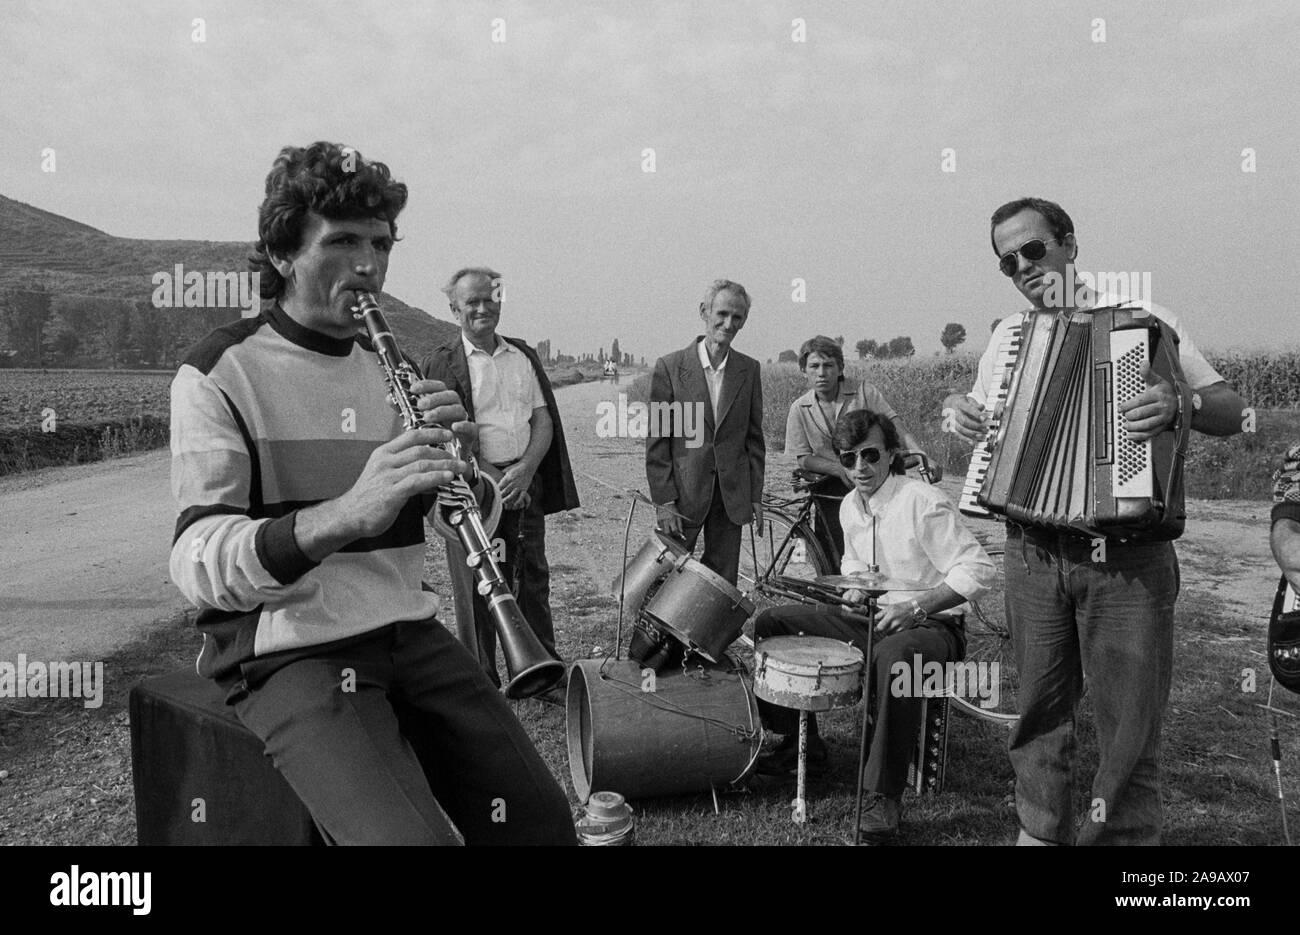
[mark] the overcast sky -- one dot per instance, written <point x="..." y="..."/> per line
<point x="775" y="159"/>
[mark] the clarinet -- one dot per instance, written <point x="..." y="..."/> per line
<point x="529" y="667"/>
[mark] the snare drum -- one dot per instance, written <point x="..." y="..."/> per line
<point x="652" y="561"/>
<point x="699" y="608"/>
<point x="808" y="673"/>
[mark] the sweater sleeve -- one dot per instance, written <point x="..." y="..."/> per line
<point x="221" y="557"/>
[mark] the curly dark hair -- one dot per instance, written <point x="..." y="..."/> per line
<point x="852" y="429"/>
<point x="332" y="180"/>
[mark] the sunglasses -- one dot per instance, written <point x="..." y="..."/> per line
<point x="850" y="458"/>
<point x="1032" y="250"/>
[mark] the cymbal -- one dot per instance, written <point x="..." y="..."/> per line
<point x="872" y="584"/>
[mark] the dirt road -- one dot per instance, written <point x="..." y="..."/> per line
<point x="83" y="566"/>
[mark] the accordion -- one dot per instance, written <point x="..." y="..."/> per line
<point x="1057" y="454"/>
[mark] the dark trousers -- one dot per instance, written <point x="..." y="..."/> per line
<point x="898" y="719"/>
<point x="459" y="757"/>
<point x="829" y="493"/>
<point x="721" y="538"/>
<point x="524" y="534"/>
<point x="1073" y="611"/>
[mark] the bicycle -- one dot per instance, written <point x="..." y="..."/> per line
<point x="794" y="545"/>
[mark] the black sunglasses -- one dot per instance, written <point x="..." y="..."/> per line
<point x="1032" y="250"/>
<point x="850" y="458"/>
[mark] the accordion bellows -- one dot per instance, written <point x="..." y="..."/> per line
<point x="1058" y="455"/>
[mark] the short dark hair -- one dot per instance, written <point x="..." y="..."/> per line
<point x="825" y="346"/>
<point x="854" y="426"/>
<point x="1051" y="212"/>
<point x="330" y="179"/>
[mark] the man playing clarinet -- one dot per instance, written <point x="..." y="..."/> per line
<point x="301" y="541"/>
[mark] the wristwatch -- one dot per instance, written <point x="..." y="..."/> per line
<point x="918" y="612"/>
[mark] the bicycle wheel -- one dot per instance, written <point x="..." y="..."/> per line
<point x="785" y="548"/>
<point x="991" y="684"/>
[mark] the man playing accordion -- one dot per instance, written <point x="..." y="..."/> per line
<point x="1069" y="613"/>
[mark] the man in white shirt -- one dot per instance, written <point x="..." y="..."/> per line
<point x="1070" y="613"/>
<point x="914" y="534"/>
<point x="520" y="444"/>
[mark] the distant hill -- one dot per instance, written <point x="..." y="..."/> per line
<point x="101" y="313"/>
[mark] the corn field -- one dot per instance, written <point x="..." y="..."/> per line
<point x="1237" y="467"/>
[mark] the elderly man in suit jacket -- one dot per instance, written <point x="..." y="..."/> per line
<point x="715" y="486"/>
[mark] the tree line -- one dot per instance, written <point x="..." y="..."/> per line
<point x="41" y="329"/>
<point x="900" y="347"/>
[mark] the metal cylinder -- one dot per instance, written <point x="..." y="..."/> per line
<point x="606" y="821"/>
<point x="658" y="735"/>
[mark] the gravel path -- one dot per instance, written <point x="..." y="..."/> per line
<point x="85" y="548"/>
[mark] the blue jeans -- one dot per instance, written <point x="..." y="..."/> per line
<point x="1112" y="621"/>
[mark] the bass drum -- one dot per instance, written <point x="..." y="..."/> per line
<point x="644" y="736"/>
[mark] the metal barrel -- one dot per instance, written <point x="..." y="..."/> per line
<point x="694" y="730"/>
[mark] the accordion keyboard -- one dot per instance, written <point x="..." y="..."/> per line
<point x="1003" y="360"/>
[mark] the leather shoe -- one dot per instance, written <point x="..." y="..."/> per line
<point x="879" y="823"/>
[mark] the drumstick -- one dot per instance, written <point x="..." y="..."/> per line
<point x="633" y="493"/>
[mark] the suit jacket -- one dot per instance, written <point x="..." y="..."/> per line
<point x="733" y="448"/>
<point x="448" y="364"/>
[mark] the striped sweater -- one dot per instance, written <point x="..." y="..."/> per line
<point x="267" y="418"/>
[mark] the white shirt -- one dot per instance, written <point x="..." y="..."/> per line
<point x="712" y="376"/>
<point x="505" y="393"/>
<point x="919" y="538"/>
<point x="1196" y="368"/>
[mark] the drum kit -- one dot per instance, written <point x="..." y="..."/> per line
<point x="681" y="607"/>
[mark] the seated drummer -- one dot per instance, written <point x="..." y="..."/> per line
<point x="812" y="418"/>
<point x="918" y="538"/>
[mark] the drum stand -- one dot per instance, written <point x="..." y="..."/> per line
<point x="867" y="698"/>
<point x="800" y="814"/>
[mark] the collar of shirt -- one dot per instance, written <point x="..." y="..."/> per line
<point x="704" y="358"/>
<point x="503" y="347"/>
<point x="847" y="391"/>
<point x="880" y="499"/>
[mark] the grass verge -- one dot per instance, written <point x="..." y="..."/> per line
<point x="28" y="449"/>
<point x="69" y="768"/>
